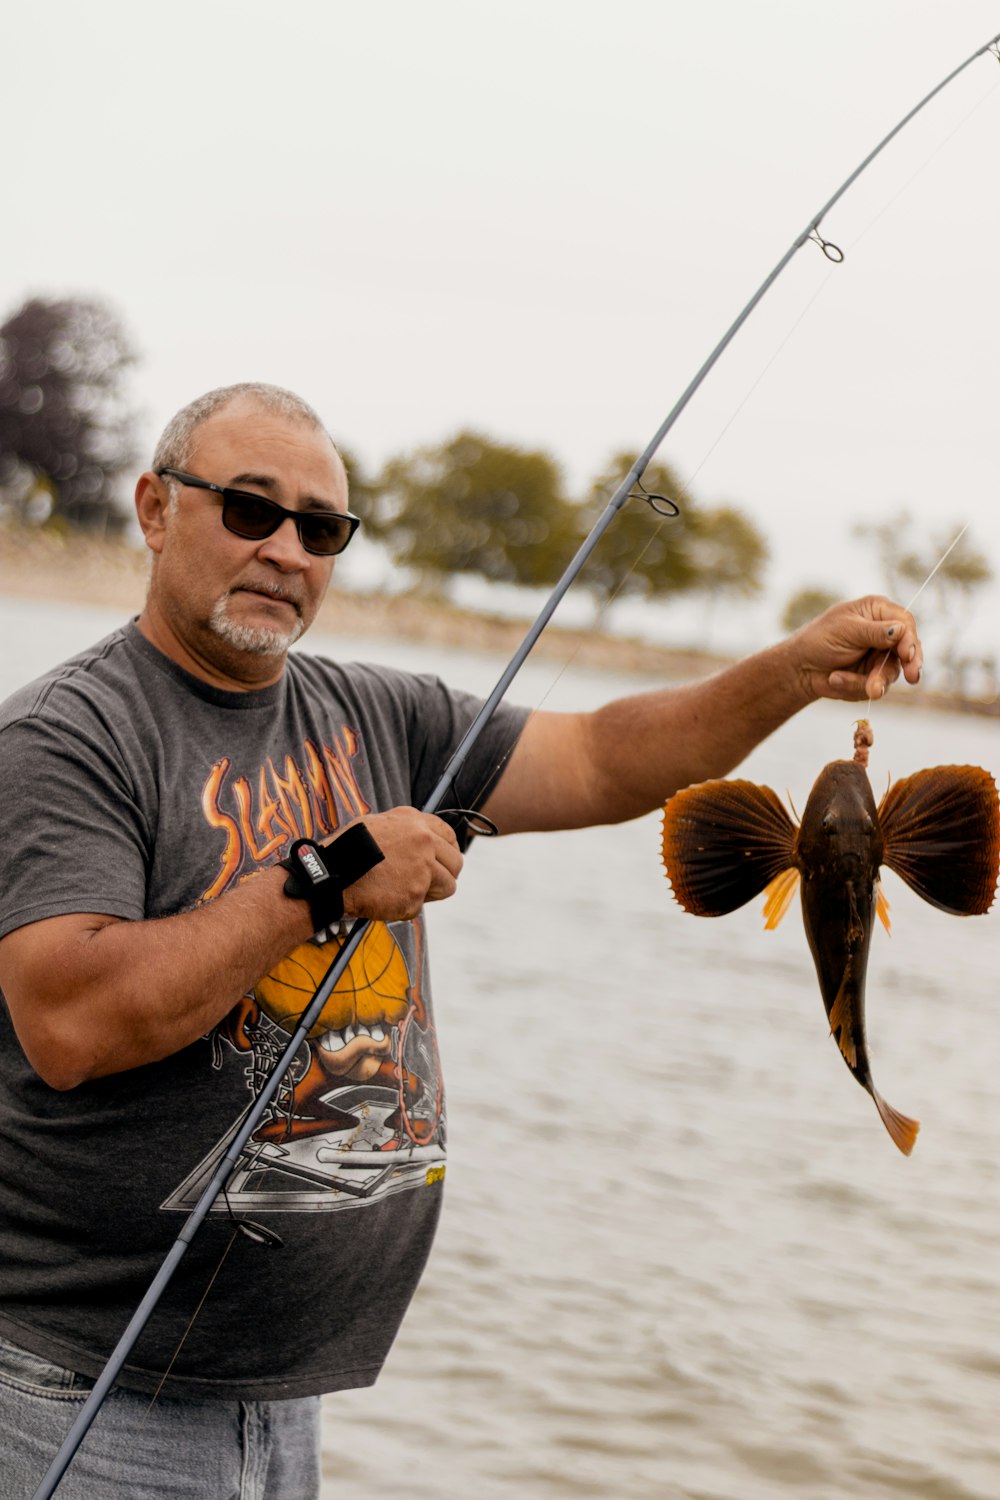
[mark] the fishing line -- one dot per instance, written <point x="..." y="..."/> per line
<point x="191" y="1321"/>
<point x="943" y="558"/>
<point x="667" y="510"/>
<point x="825" y="246"/>
<point x="940" y="562"/>
<point x="801" y="318"/>
<point x="834" y="254"/>
<point x="258" y="1234"/>
<point x="229" y="1161"/>
<point x="924" y="164"/>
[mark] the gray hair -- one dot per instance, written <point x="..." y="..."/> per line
<point x="176" y="444"/>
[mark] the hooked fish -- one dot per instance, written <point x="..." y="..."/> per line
<point x="726" y="841"/>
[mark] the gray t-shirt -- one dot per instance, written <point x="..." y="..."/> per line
<point x="130" y="788"/>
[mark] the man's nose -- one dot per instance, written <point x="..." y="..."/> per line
<point x="284" y="548"/>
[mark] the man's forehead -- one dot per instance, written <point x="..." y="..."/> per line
<point x="247" y="438"/>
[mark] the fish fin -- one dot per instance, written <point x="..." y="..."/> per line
<point x="841" y="1028"/>
<point x="902" y="1129"/>
<point x="941" y="829"/>
<point x="779" y="897"/>
<point x="723" y="842"/>
<point x="882" y="908"/>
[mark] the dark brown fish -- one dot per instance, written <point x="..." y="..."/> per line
<point x="726" y="841"/>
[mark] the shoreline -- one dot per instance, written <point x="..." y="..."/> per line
<point x="85" y="570"/>
<point x="81" y="569"/>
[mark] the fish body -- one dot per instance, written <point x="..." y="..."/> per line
<point x="838" y="853"/>
<point x="726" y="841"/>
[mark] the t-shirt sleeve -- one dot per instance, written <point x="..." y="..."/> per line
<point x="440" y="719"/>
<point x="71" y="833"/>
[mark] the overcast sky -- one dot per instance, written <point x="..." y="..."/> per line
<point x="536" y="219"/>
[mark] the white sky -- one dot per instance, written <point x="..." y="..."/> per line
<point x="537" y="218"/>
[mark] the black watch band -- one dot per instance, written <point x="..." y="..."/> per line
<point x="320" y="873"/>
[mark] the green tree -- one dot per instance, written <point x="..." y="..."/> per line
<point x="805" y="605"/>
<point x="958" y="570"/>
<point x="702" y="550"/>
<point x="473" y="505"/>
<point x="65" y="427"/>
<point x="728" y="551"/>
<point x="641" y="552"/>
<point x="362" y="492"/>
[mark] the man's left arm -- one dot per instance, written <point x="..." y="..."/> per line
<point x="575" y="770"/>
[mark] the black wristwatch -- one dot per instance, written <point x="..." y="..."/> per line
<point x="320" y="873"/>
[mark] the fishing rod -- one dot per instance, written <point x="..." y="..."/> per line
<point x="630" y="488"/>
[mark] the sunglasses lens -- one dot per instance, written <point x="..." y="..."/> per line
<point x="254" y="517"/>
<point x="246" y="516"/>
<point x="326" y="535"/>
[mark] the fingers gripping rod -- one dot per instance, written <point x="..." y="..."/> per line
<point x="624" y="492"/>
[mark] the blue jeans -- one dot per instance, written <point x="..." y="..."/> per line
<point x="174" y="1450"/>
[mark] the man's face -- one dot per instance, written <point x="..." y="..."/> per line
<point x="233" y="605"/>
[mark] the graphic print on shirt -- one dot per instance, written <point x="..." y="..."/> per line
<point x="360" y="1113"/>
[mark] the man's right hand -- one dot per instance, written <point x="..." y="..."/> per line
<point x="422" y="863"/>
<point x="92" y="994"/>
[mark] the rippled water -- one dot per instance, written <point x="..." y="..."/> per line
<point x="680" y="1256"/>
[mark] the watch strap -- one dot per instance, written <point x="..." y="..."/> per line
<point x="320" y="873"/>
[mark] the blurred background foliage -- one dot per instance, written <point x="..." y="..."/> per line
<point x="700" y="551"/>
<point x="474" y="505"/>
<point x="470" y="505"/>
<point x="66" y="431"/>
<point x="945" y="570"/>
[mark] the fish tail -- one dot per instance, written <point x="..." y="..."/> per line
<point x="902" y="1129"/>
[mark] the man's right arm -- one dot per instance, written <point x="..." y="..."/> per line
<point x="90" y="995"/>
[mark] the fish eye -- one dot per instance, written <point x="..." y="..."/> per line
<point x="829" y="823"/>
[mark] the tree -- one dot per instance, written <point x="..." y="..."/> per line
<point x="362" y="493"/>
<point x="641" y="552"/>
<point x="473" y="505"/>
<point x="728" y="551"/>
<point x="958" y="568"/>
<point x="698" y="551"/>
<point x="65" y="430"/>
<point x="805" y="605"/>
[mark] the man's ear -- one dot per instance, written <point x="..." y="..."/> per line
<point x="152" y="500"/>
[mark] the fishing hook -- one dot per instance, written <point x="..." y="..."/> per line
<point x="625" y="491"/>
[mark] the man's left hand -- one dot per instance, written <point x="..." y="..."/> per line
<point x="857" y="650"/>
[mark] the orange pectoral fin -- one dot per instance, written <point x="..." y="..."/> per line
<point x="882" y="908"/>
<point x="779" y="898"/>
<point x="941" y="829"/>
<point x="723" y="842"/>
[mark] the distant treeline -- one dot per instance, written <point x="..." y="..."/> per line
<point x="468" y="505"/>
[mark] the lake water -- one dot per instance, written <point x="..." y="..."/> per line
<point x="680" y="1258"/>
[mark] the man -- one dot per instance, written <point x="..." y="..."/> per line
<point x="154" y="956"/>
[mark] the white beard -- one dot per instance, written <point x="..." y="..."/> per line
<point x="256" y="640"/>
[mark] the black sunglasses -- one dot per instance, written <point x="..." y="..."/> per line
<point x="254" y="517"/>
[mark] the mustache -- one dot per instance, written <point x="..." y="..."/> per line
<point x="273" y="589"/>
